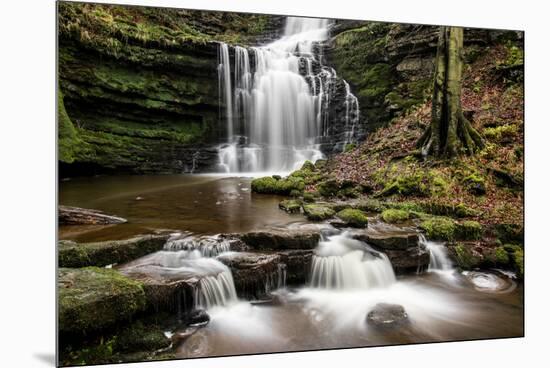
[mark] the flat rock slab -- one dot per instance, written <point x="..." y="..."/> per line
<point x="92" y="299"/>
<point x="84" y="216"/>
<point x="280" y="239"/>
<point x="72" y="254"/>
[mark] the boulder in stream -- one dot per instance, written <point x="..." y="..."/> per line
<point x="385" y="315"/>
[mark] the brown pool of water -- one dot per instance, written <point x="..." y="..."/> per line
<point x="202" y="204"/>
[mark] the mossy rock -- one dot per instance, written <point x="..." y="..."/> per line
<point x="372" y="205"/>
<point x="141" y="336"/>
<point x="475" y="184"/>
<point x="353" y="217"/>
<point x="349" y="192"/>
<point x="283" y="186"/>
<point x="439" y="228"/>
<point x="317" y="212"/>
<point x="92" y="299"/>
<point x="328" y="188"/>
<point x="290" y="205"/>
<point x="508" y="233"/>
<point x="465" y="257"/>
<point x="519" y="262"/>
<point x="395" y="216"/>
<point x="101" y="254"/>
<point x="501" y="256"/>
<point x="309" y="197"/>
<point x="469" y="230"/>
<point x="320" y="164"/>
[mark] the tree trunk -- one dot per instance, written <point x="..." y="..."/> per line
<point x="449" y="133"/>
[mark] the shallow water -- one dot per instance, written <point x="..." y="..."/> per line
<point x="311" y="318"/>
<point x="202" y="204"/>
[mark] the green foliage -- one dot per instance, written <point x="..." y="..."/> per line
<point x="316" y="212"/>
<point x="439" y="228"/>
<point x="69" y="142"/>
<point x="353" y="217"/>
<point x="271" y="185"/>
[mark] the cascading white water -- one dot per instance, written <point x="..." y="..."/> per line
<point x="208" y="246"/>
<point x="345" y="263"/>
<point x="280" y="113"/>
<point x="439" y="255"/>
<point x="218" y="290"/>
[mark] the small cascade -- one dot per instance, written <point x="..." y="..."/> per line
<point x="341" y="262"/>
<point x="208" y="246"/>
<point x="439" y="255"/>
<point x="277" y="108"/>
<point x="215" y="290"/>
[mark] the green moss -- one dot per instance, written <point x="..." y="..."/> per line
<point x="316" y="212"/>
<point x="394" y="216"/>
<point x="328" y="188"/>
<point x="475" y="183"/>
<point x="141" y="337"/>
<point x="469" y="230"/>
<point x="271" y="185"/>
<point x="290" y="205"/>
<point x="94" y="298"/>
<point x="501" y="256"/>
<point x="350" y="147"/>
<point x="353" y="217"/>
<point x="69" y="143"/>
<point x="500" y="133"/>
<point x="518" y="261"/>
<point x="309" y="197"/>
<point x="465" y="258"/>
<point x="376" y="80"/>
<point x="439" y="228"/>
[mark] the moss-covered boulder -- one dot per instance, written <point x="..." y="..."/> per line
<point x="278" y="239"/>
<point x="328" y="188"/>
<point x="101" y="254"/>
<point x="308" y="197"/>
<point x="466" y="257"/>
<point x="282" y="186"/>
<point x="141" y="336"/>
<point x="92" y="299"/>
<point x="395" y="216"/>
<point x="290" y="205"/>
<point x="468" y="230"/>
<point x="439" y="228"/>
<point x="317" y="212"/>
<point x="353" y="217"/>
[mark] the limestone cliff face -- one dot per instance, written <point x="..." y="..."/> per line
<point x="139" y="87"/>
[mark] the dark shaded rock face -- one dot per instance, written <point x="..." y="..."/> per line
<point x="82" y="216"/>
<point x="298" y="265"/>
<point x="403" y="249"/>
<point x="254" y="274"/>
<point x="280" y="239"/>
<point x="101" y="254"/>
<point x="387" y="316"/>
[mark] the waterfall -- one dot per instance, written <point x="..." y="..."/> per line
<point x="277" y="109"/>
<point x="439" y="255"/>
<point x="341" y="262"/>
<point x="216" y="290"/>
<point x="208" y="246"/>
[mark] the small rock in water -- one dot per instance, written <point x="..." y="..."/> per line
<point x="218" y="203"/>
<point x="138" y="198"/>
<point x="198" y="318"/>
<point x="387" y="315"/>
